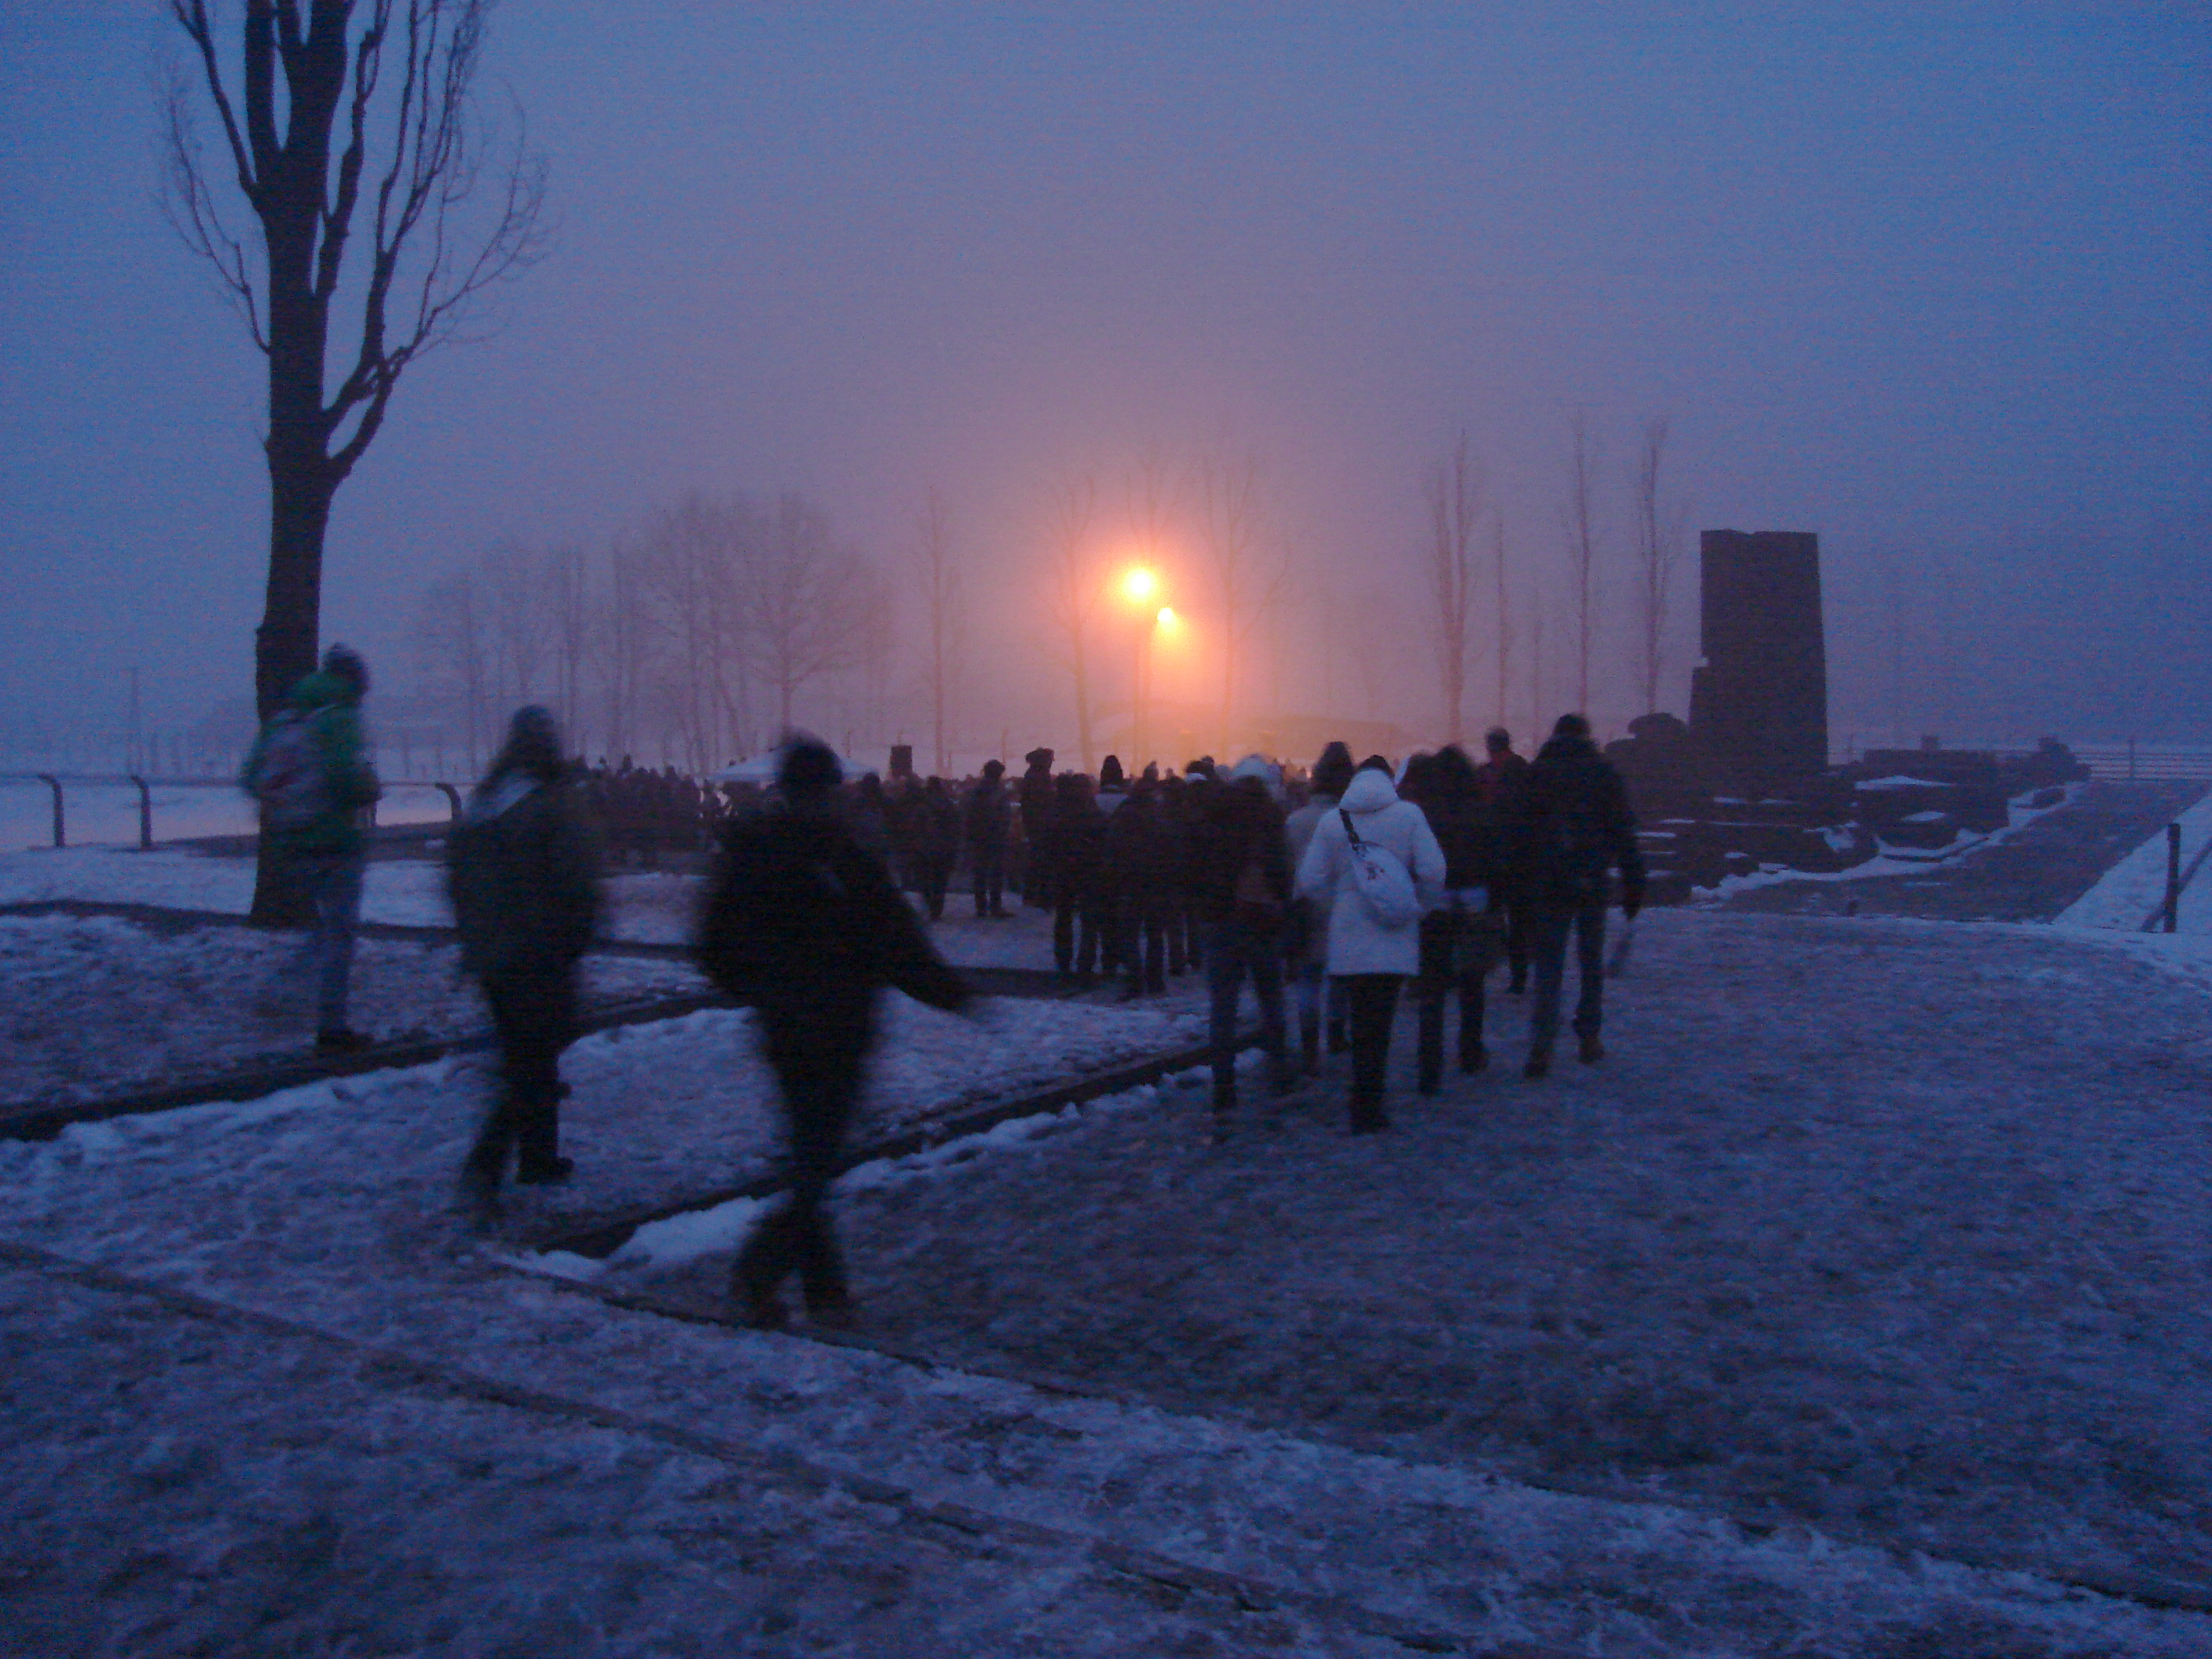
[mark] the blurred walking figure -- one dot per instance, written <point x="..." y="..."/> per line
<point x="523" y="872"/>
<point x="311" y="772"/>
<point x="989" y="817"/>
<point x="1503" y="780"/>
<point x="1578" y="828"/>
<point x="1308" y="956"/>
<point x="1378" y="864"/>
<point x="1457" y="938"/>
<point x="1244" y="892"/>
<point x="801" y="921"/>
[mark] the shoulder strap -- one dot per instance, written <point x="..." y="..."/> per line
<point x="1351" y="834"/>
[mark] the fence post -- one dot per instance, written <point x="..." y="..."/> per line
<point x="55" y="784"/>
<point x="452" y="803"/>
<point x="2131" y="760"/>
<point x="145" y="815"/>
<point x="2172" y="878"/>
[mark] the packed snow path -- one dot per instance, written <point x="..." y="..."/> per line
<point x="1885" y="1240"/>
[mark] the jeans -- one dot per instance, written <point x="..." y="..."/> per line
<point x="990" y="871"/>
<point x="1441" y="933"/>
<point x="332" y="882"/>
<point x="1075" y="927"/>
<point x="1548" y="926"/>
<point x="533" y="1018"/>
<point x="1144" y="940"/>
<point x="1234" y="949"/>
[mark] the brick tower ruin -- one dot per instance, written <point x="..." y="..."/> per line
<point x="1759" y="706"/>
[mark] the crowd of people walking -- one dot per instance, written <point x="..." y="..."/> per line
<point x="1355" y="886"/>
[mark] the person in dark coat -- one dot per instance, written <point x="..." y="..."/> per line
<point x="1141" y="849"/>
<point x="1242" y="883"/>
<point x="1503" y="778"/>
<point x="1578" y="828"/>
<point x="1454" y="937"/>
<point x="1037" y="798"/>
<point x="934" y="827"/>
<point x="802" y="921"/>
<point x="1078" y="910"/>
<point x="989" y="819"/>
<point x="522" y="869"/>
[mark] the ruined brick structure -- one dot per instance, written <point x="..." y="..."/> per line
<point x="1759" y="706"/>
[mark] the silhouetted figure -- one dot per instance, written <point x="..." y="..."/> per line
<point x="1244" y="889"/>
<point x="988" y="817"/>
<point x="1371" y="952"/>
<point x="1079" y="908"/>
<point x="1578" y="828"/>
<point x="1504" y="778"/>
<point x="935" y="827"/>
<point x="1143" y="853"/>
<point x="1038" y="802"/>
<point x="1456" y="936"/>
<point x="801" y="921"/>
<point x="1307" y="955"/>
<point x="311" y="772"/>
<point x="523" y="874"/>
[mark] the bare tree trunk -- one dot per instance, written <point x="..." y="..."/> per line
<point x="1248" y="582"/>
<point x="1455" y="504"/>
<point x="1504" y="614"/>
<point x="1657" y="550"/>
<point x="1075" y="585"/>
<point x="1583" y="551"/>
<point x="938" y="579"/>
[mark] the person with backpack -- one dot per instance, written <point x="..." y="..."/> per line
<point x="1243" y="890"/>
<point x="1376" y="864"/>
<point x="1578" y="828"/>
<point x="802" y="921"/>
<point x="311" y="772"/>
<point x="522" y="869"/>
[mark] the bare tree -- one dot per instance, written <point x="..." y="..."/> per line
<point x="1249" y="578"/>
<point x="454" y="655"/>
<point x="937" y="576"/>
<point x="1454" y="492"/>
<point x="518" y="618"/>
<point x="1505" y="612"/>
<point x="692" y="558"/>
<point x="1582" y="548"/>
<point x="1658" y="538"/>
<point x="377" y="123"/>
<point x="625" y="649"/>
<point x="806" y="620"/>
<point x="569" y="606"/>
<point x="1074" y="578"/>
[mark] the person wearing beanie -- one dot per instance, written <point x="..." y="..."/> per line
<point x="522" y="872"/>
<point x="988" y="820"/>
<point x="310" y="771"/>
<point x="1578" y="828"/>
<point x="804" y="923"/>
<point x="1037" y="799"/>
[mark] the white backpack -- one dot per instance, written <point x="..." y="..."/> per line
<point x="1382" y="881"/>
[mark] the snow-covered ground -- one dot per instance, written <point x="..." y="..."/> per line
<point x="644" y="906"/>
<point x="2135" y="886"/>
<point x="1892" y="860"/>
<point x="97" y="1006"/>
<point x="1854" y="1306"/>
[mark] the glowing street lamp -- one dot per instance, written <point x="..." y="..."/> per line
<point x="1140" y="587"/>
<point x="1139" y="584"/>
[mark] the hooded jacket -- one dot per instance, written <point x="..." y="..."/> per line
<point x="1578" y="827"/>
<point x="1358" y="944"/>
<point x="331" y="712"/>
<point x="523" y="874"/>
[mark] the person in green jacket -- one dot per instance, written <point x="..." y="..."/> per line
<point x="310" y="771"/>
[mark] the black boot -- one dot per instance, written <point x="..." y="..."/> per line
<point x="1310" y="1048"/>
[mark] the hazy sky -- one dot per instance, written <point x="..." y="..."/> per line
<point x="1930" y="280"/>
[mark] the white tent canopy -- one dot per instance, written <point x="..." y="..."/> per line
<point x="760" y="770"/>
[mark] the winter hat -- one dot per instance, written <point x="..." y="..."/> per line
<point x="533" y="745"/>
<point x="1040" y="758"/>
<point x="1109" y="773"/>
<point x="1571" y="726"/>
<point x="1256" y="766"/>
<point x="995" y="769"/>
<point x="1498" y="739"/>
<point x="345" y="663"/>
<point x="806" y="767"/>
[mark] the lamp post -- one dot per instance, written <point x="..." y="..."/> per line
<point x="1140" y="587"/>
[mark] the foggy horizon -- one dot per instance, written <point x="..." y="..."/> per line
<point x="1926" y="284"/>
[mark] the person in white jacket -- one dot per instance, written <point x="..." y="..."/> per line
<point x="1372" y="960"/>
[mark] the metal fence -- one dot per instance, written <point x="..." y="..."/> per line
<point x="59" y="784"/>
